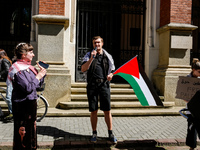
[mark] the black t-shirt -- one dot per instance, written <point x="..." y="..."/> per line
<point x="99" y="70"/>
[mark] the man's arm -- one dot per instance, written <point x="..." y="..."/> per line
<point x="86" y="65"/>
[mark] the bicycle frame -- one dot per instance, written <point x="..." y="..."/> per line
<point x="182" y="110"/>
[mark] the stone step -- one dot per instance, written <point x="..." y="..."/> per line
<point x="116" y="97"/>
<point x="1" y="98"/>
<point x="3" y="104"/>
<point x="55" y="112"/>
<point x="173" y="111"/>
<point x="113" y="91"/>
<point x="3" y="84"/>
<point x="123" y="99"/>
<point x="123" y="102"/>
<point x="114" y="105"/>
<point x="112" y="85"/>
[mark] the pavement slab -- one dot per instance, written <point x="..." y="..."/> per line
<point x="148" y="132"/>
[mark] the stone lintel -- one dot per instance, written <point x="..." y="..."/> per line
<point x="51" y="19"/>
<point x="176" y="26"/>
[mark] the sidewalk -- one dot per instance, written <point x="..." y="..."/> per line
<point x="155" y="132"/>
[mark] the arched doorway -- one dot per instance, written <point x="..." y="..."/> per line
<point x="119" y="22"/>
<point x="15" y="26"/>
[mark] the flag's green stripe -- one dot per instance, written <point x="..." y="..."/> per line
<point x="135" y="87"/>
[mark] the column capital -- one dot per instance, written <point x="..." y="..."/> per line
<point x="176" y="26"/>
<point x="51" y="19"/>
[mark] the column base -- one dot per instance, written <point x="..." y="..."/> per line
<point x="58" y="85"/>
<point x="165" y="81"/>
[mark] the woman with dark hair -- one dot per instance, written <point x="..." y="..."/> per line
<point x="4" y="68"/>
<point x="5" y="65"/>
<point x="25" y="80"/>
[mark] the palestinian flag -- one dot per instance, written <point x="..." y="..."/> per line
<point x="140" y="83"/>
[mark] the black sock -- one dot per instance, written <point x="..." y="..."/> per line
<point x="94" y="132"/>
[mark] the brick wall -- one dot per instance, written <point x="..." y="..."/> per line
<point x="52" y="7"/>
<point x="164" y="12"/>
<point x="175" y="11"/>
<point x="181" y="11"/>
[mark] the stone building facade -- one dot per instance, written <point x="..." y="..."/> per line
<point x="160" y="32"/>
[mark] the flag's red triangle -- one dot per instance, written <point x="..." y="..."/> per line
<point x="130" y="67"/>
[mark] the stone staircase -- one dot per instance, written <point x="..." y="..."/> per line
<point x="3" y="104"/>
<point x="123" y="103"/>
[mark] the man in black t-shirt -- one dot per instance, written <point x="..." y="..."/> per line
<point x="100" y="67"/>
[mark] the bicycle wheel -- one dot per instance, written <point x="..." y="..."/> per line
<point x="3" y="90"/>
<point x="42" y="107"/>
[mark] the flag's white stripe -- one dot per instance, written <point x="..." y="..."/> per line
<point x="145" y="89"/>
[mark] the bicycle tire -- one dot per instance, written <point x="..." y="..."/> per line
<point x="2" y="90"/>
<point x="42" y="108"/>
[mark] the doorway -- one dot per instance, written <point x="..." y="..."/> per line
<point x="121" y="23"/>
<point x="15" y="16"/>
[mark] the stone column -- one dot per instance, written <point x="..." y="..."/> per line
<point x="174" y="59"/>
<point x="51" y="30"/>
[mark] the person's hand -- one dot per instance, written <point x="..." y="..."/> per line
<point x="40" y="66"/>
<point x="109" y="77"/>
<point x="41" y="73"/>
<point x="93" y="54"/>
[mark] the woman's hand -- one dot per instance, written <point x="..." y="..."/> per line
<point x="40" y="66"/>
<point x="41" y="73"/>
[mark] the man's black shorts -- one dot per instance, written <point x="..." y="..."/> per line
<point x="101" y="90"/>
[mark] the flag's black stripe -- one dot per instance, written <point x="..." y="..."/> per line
<point x="149" y="84"/>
